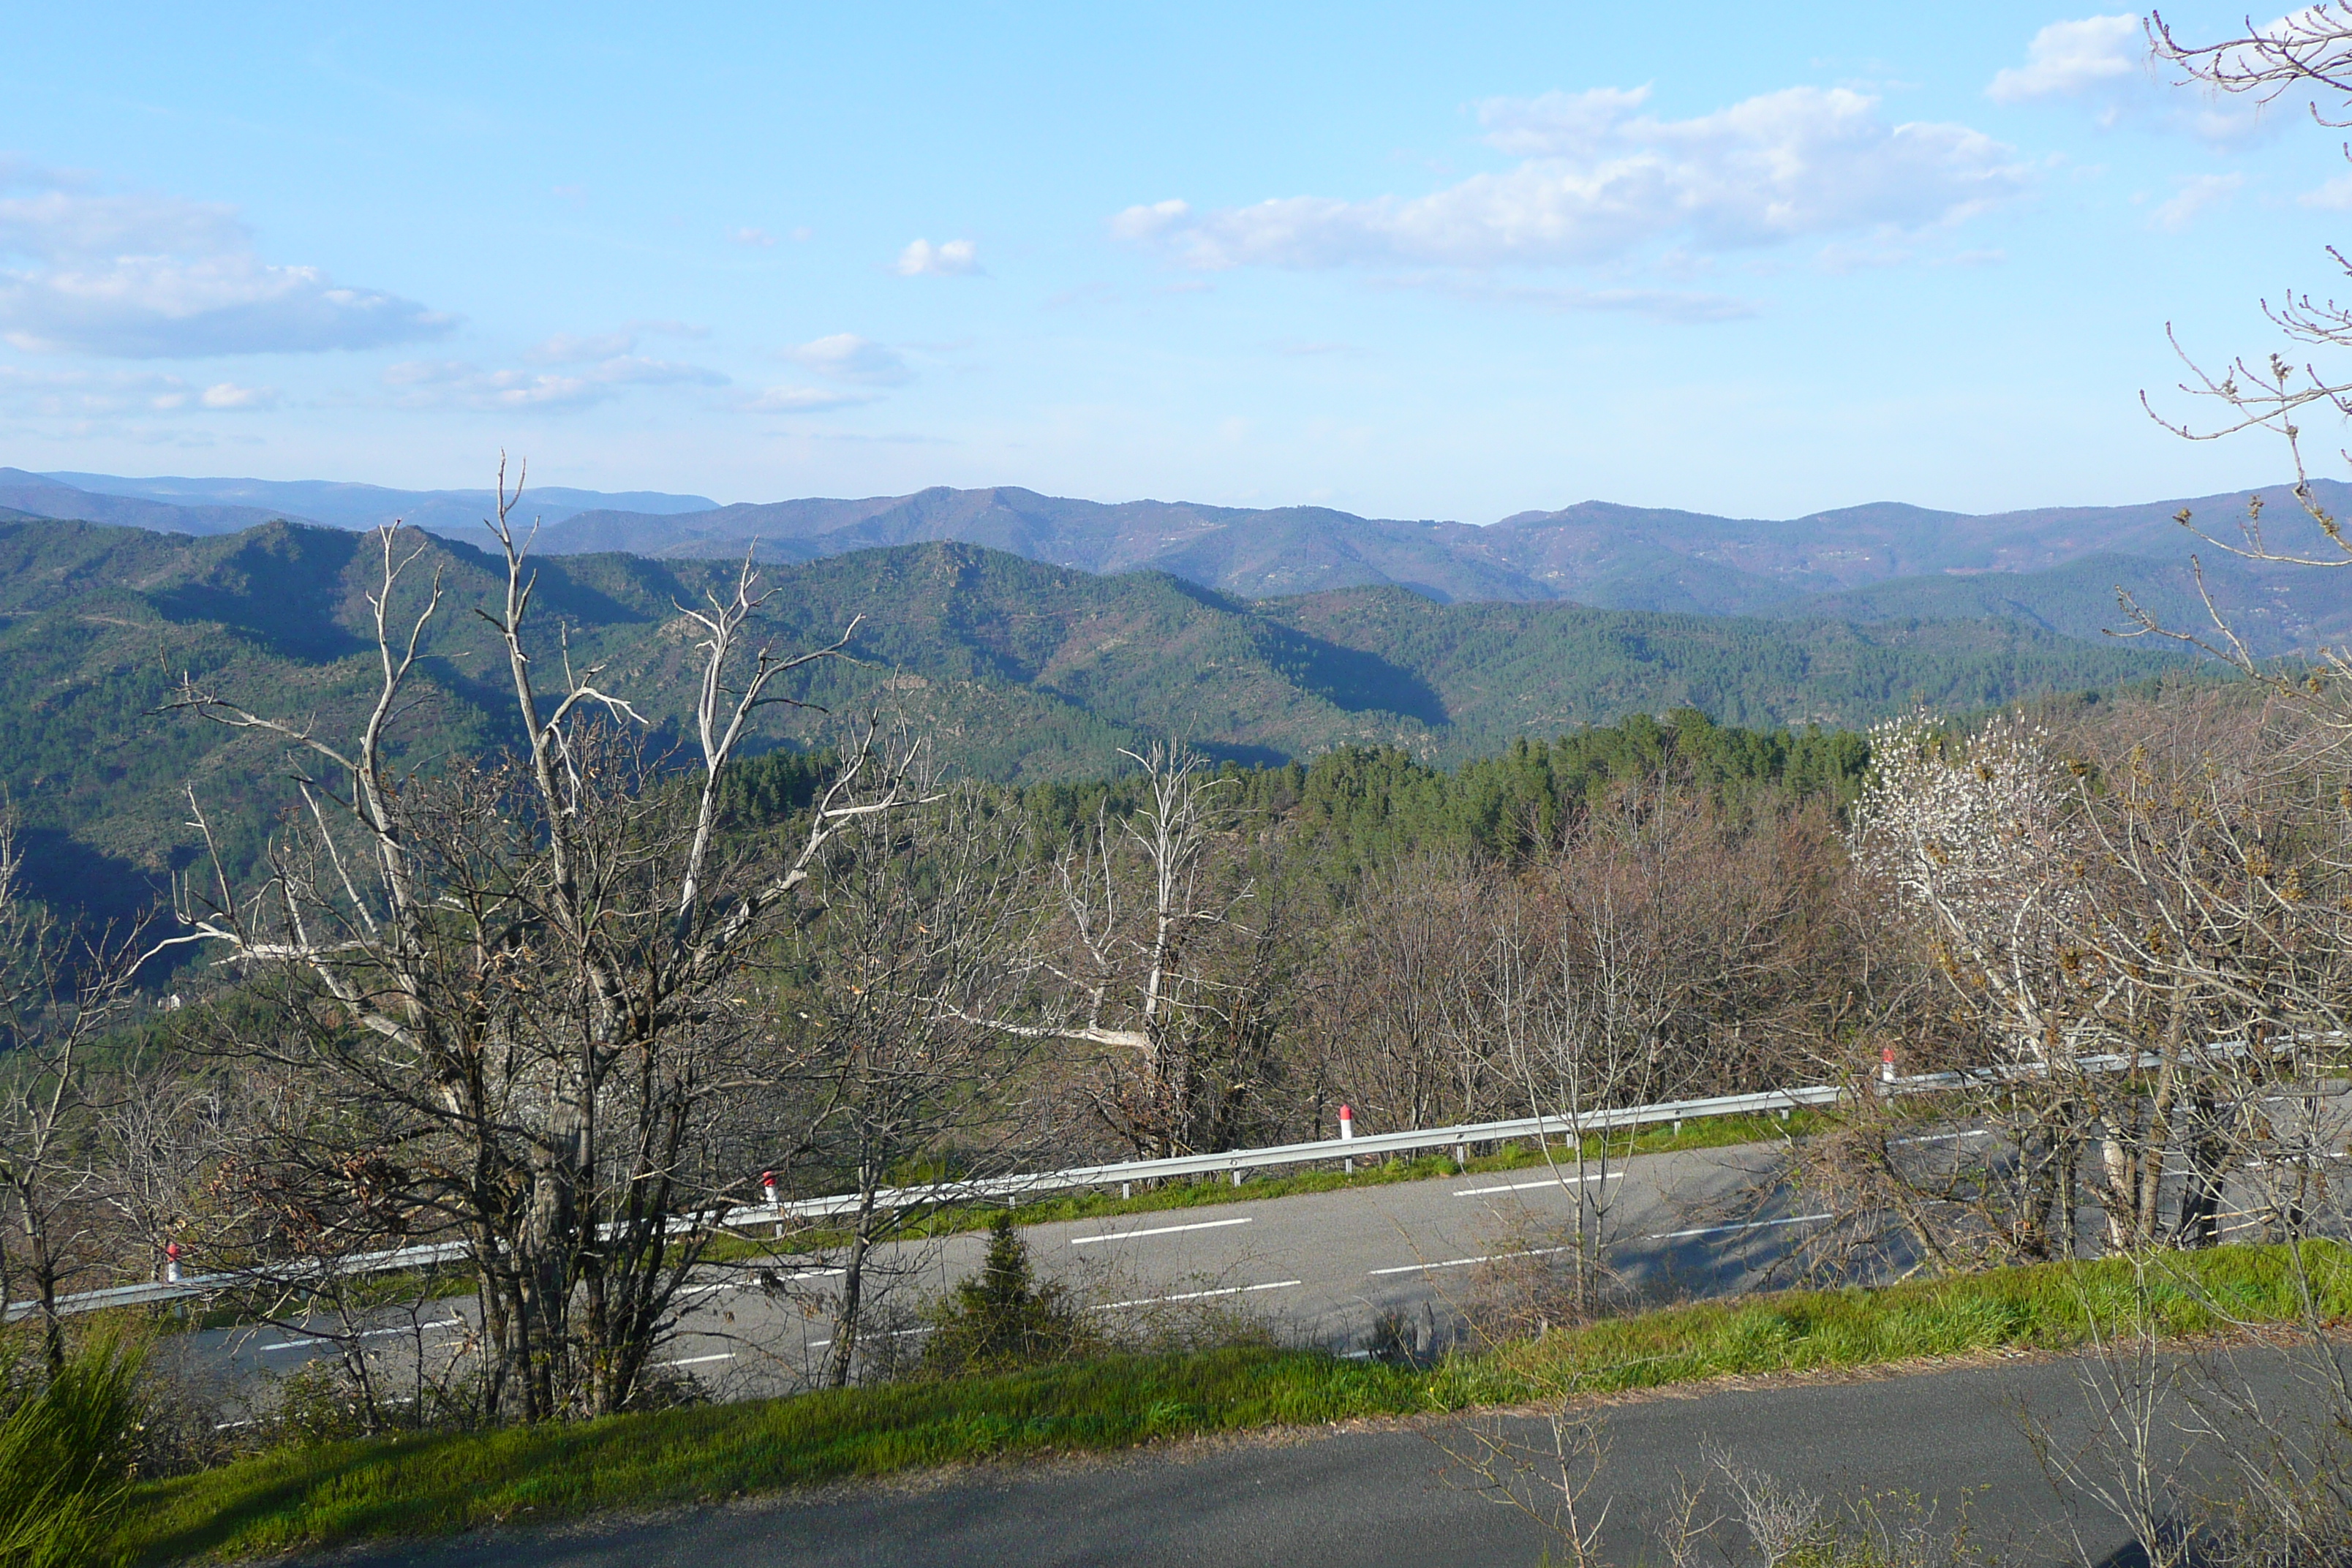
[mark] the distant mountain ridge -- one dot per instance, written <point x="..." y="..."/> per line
<point x="38" y="495"/>
<point x="225" y="506"/>
<point x="1595" y="553"/>
<point x="1883" y="559"/>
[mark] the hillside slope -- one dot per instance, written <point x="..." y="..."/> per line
<point x="1023" y="670"/>
<point x="2276" y="611"/>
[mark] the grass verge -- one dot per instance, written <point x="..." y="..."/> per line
<point x="440" y="1483"/>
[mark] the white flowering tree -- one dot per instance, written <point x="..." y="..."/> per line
<point x="1975" y="845"/>
<point x="1976" y="841"/>
<point x="2150" y="906"/>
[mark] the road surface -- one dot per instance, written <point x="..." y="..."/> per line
<point x="1392" y="1498"/>
<point x="1389" y="1266"/>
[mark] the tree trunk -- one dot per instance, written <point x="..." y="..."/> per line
<point x="852" y="1292"/>
<point x="44" y="1283"/>
<point x="2209" y="1152"/>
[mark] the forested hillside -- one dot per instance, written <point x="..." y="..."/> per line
<point x="1023" y="672"/>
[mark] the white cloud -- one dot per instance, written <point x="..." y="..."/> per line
<point x="846" y="356"/>
<point x="570" y="348"/>
<point x="1580" y="125"/>
<point x="2103" y="63"/>
<point x="1659" y="305"/>
<point x="2069" y="58"/>
<point x="922" y="258"/>
<point x="759" y="237"/>
<point x="1150" y="222"/>
<point x="143" y="276"/>
<point x="2196" y="193"/>
<point x="801" y="400"/>
<point x="1599" y="179"/>
<point x="2335" y="196"/>
<point x="432" y="384"/>
<point x="577" y="348"/>
<point x="229" y="394"/>
<point x="87" y="395"/>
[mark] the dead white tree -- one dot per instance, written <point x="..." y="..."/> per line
<point x="1149" y="957"/>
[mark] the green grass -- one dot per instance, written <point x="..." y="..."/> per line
<point x="66" y="1444"/>
<point x="437" y="1483"/>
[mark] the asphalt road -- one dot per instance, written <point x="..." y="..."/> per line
<point x="1322" y="1269"/>
<point x="1389" y="1266"/>
<point x="1393" y="1498"/>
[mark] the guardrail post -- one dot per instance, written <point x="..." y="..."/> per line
<point x="1126" y="1191"/>
<point x="1461" y="1156"/>
<point x="1237" y="1176"/>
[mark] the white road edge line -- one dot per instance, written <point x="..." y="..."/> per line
<point x="1939" y="1138"/>
<point x="308" y="1340"/>
<point x="1548" y="1251"/>
<point x="699" y="1360"/>
<point x="1728" y="1229"/>
<point x="1161" y="1230"/>
<point x="1196" y="1295"/>
<point x="1547" y="1181"/>
<point x="897" y="1335"/>
<point x="1458" y="1262"/>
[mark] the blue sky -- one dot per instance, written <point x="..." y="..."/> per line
<point x="1409" y="261"/>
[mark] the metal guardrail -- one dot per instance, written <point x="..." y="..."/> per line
<point x="1321" y="1152"/>
<point x="1235" y="1160"/>
<point x="294" y="1274"/>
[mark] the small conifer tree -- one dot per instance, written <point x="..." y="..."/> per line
<point x="1001" y="1318"/>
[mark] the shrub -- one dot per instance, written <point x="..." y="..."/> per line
<point x="1002" y="1318"/>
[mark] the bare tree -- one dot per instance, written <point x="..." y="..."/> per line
<point x="523" y="980"/>
<point x="1150" y="957"/>
<point x="1399" y="1014"/>
<point x="59" y="991"/>
<point x="1633" y="966"/>
<point x="161" y="1126"/>
<point x="920" y="912"/>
